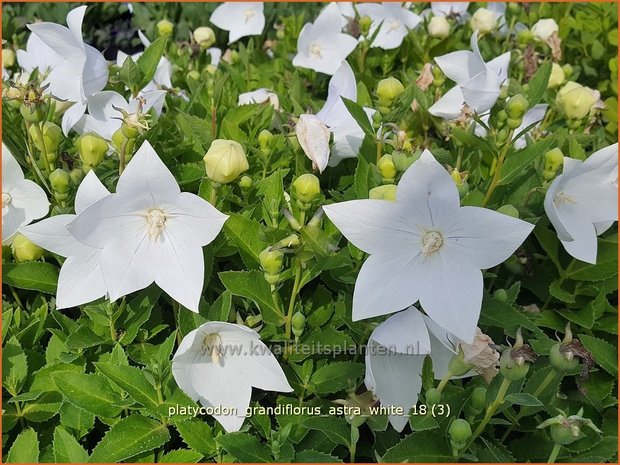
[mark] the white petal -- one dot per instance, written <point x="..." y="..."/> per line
<point x="404" y="333"/>
<point x="72" y="116"/>
<point x="52" y="234"/>
<point x="95" y="76"/>
<point x="396" y="379"/>
<point x="603" y="226"/>
<point x="80" y="280"/>
<point x="12" y="173"/>
<point x="500" y="65"/>
<point x="460" y="66"/>
<point x="584" y="244"/>
<point x="450" y="105"/>
<point x="486" y="238"/>
<point x="146" y="173"/>
<point x="194" y="218"/>
<point x="341" y="84"/>
<point x="28" y="196"/>
<point x="387" y="284"/>
<point x="373" y="225"/>
<point x="90" y="191"/>
<point x="481" y="92"/>
<point x="313" y="137"/>
<point x="12" y="219"/>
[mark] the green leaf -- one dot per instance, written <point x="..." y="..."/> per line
<point x="425" y="446"/>
<point x="559" y="293"/>
<point x="131" y="380"/>
<point x="34" y="276"/>
<point x="90" y="392"/>
<point x="131" y="436"/>
<point x="359" y="115"/>
<point x="14" y="366"/>
<point x="522" y="398"/>
<point x="538" y="83"/>
<point x="130" y="75"/>
<point x="517" y="163"/>
<point x="361" y="178"/>
<point x="335" y="427"/>
<point x="605" y="354"/>
<point x="245" y="447"/>
<point x="82" y="339"/>
<point x="313" y="456"/>
<point x="252" y="285"/>
<point x="245" y="234"/>
<point x="180" y="456"/>
<point x="149" y="59"/>
<point x="25" y="449"/>
<point x="67" y="449"/>
<point x="335" y="377"/>
<point x="198" y="435"/>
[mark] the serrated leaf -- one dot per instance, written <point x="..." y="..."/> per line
<point x="14" y="366"/>
<point x="336" y="427"/>
<point x="606" y="354"/>
<point x="313" y="456"/>
<point x="25" y="449"/>
<point x="131" y="436"/>
<point x="89" y="392"/>
<point x="425" y="446"/>
<point x="131" y="380"/>
<point x="198" y="435"/>
<point x="180" y="456"/>
<point x="34" y="276"/>
<point x="335" y="377"/>
<point x="67" y="449"/>
<point x="245" y="234"/>
<point x="522" y="398"/>
<point x="517" y="163"/>
<point x="245" y="447"/>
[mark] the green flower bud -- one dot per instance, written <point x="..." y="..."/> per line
<point x="193" y="74"/>
<point x="403" y="159"/>
<point x="566" y="429"/>
<point x="385" y="192"/>
<point x="271" y="261"/>
<point x="515" y="362"/>
<point x="575" y="100"/>
<point x="50" y="141"/>
<point x="165" y="27"/>
<point x="118" y="138"/>
<point x="365" y="22"/>
<point x="433" y="396"/>
<point x="563" y="434"/>
<point x="459" y="430"/>
<point x="8" y="57"/>
<point x="556" y="79"/>
<point x="298" y="323"/>
<point x="306" y="189"/>
<point x="517" y="106"/>
<point x="245" y="182"/>
<point x="387" y="168"/>
<point x="503" y="93"/>
<point x="280" y="34"/>
<point x="502" y="116"/>
<point x="264" y="139"/>
<point x="508" y="210"/>
<point x="60" y="181"/>
<point x="548" y="175"/>
<point x="457" y="365"/>
<point x="33" y="113"/>
<point x="92" y="149"/>
<point x="479" y="398"/>
<point x="501" y="295"/>
<point x="225" y="161"/>
<point x="24" y="250"/>
<point x="514" y="123"/>
<point x="388" y="90"/>
<point x="568" y="70"/>
<point x="204" y="36"/>
<point x="76" y="175"/>
<point x="554" y="159"/>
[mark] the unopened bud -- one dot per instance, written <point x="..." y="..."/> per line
<point x="264" y="140"/>
<point x="8" y="57"/>
<point x="459" y="431"/>
<point x="271" y="260"/>
<point x="306" y="189"/>
<point x="575" y="100"/>
<point x="404" y="159"/>
<point x="554" y="159"/>
<point x="60" y="181"/>
<point x="51" y="133"/>
<point x="516" y="107"/>
<point x="298" y="323"/>
<point x="385" y="192"/>
<point x="245" y="182"/>
<point x="484" y="21"/>
<point x="225" y="161"/>
<point x="77" y="174"/>
<point x="24" y="250"/>
<point x="556" y="79"/>
<point x="387" y="168"/>
<point x="388" y="90"/>
<point x="365" y="22"/>
<point x="204" y="36"/>
<point x="92" y="149"/>
<point x="439" y="27"/>
<point x="165" y="27"/>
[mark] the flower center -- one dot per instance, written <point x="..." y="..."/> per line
<point x="393" y="25"/>
<point x="315" y="49"/>
<point x="156" y="222"/>
<point x="6" y="199"/>
<point x="431" y="242"/>
<point x="561" y="198"/>
<point x="249" y="14"/>
<point x="212" y="345"/>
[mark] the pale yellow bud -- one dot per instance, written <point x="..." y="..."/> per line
<point x="225" y="161"/>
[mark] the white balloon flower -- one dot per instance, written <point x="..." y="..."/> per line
<point x="582" y="203"/>
<point x="81" y="71"/>
<point x="240" y="19"/>
<point x="219" y="363"/>
<point x="149" y="231"/>
<point x="478" y="83"/>
<point x="394" y="21"/>
<point x="22" y="200"/>
<point x="321" y="45"/>
<point x="81" y="279"/>
<point x="426" y="247"/>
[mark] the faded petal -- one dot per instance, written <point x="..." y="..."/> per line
<point x="313" y="136"/>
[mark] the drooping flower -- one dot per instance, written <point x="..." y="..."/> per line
<point x="394" y="21"/>
<point x="81" y="279"/>
<point x="37" y="55"/>
<point x="162" y="79"/>
<point x="22" y="200"/>
<point x="219" y="363"/>
<point x="478" y="83"/>
<point x="260" y="96"/>
<point x="426" y="247"/>
<point x="149" y="231"/>
<point x="239" y="19"/>
<point x="81" y="71"/>
<point x="104" y="116"/>
<point x="582" y="202"/>
<point x="321" y="45"/>
<point x="395" y="355"/>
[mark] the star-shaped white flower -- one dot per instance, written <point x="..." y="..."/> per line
<point x="395" y="21"/>
<point x="22" y="200"/>
<point x="582" y="202"/>
<point x="456" y="9"/>
<point x="38" y="55"/>
<point x="478" y="83"/>
<point x="162" y="79"/>
<point x="103" y="116"/>
<point x="425" y="247"/>
<point x="82" y="70"/>
<point x="321" y="45"/>
<point x="261" y="95"/>
<point x="149" y="231"/>
<point x="80" y="280"/>
<point x="395" y="355"/>
<point x="240" y="19"/>
<point x="219" y="363"/>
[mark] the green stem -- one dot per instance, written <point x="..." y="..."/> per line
<point x="175" y="313"/>
<point x="214" y="191"/>
<point x="17" y="299"/>
<point x="554" y="453"/>
<point x="46" y="162"/>
<point x="499" y="400"/>
<point x="498" y="170"/>
<point x="379" y="150"/>
<point x="444" y="381"/>
<point x="459" y="158"/>
<point x="122" y="156"/>
<point x="563" y="277"/>
<point x="291" y="305"/>
<point x="213" y="122"/>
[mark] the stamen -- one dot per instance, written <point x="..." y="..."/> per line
<point x="156" y="222"/>
<point x="431" y="242"/>
<point x="6" y="199"/>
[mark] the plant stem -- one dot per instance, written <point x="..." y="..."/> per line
<point x="498" y="169"/>
<point x="122" y="156"/>
<point x="379" y="150"/>
<point x="444" y="381"/>
<point x="175" y="313"/>
<point x="213" y="122"/>
<point x="291" y="305"/>
<point x="554" y="453"/>
<point x="46" y="162"/>
<point x="214" y="190"/>
<point x="459" y="158"/>
<point x="499" y="400"/>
